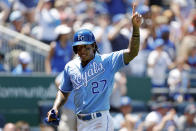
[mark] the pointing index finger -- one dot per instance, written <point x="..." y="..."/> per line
<point x="133" y="10"/>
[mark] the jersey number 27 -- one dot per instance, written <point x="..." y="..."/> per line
<point x="99" y="86"/>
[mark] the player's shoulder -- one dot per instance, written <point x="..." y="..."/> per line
<point x="101" y="57"/>
<point x="73" y="63"/>
<point x="112" y="53"/>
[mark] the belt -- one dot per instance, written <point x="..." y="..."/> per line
<point x="90" y="116"/>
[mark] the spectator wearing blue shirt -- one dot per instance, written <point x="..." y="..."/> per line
<point x="125" y="109"/>
<point x="23" y="66"/>
<point x="169" y="46"/>
<point x="116" y="34"/>
<point x="60" y="50"/>
<point x="116" y="7"/>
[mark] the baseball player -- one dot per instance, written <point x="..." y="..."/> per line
<point x="90" y="76"/>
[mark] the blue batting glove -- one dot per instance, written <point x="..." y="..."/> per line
<point x="55" y="120"/>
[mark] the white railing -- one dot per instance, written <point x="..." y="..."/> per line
<point x="12" y="40"/>
<point x="166" y="91"/>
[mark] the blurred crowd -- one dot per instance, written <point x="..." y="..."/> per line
<point x="24" y="126"/>
<point x="160" y="114"/>
<point x="167" y="45"/>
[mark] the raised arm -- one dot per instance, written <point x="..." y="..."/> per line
<point x="133" y="48"/>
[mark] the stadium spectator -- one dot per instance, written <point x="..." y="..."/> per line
<point x="27" y="7"/>
<point x="191" y="61"/>
<point x="125" y="120"/>
<point x="186" y="122"/>
<point x="188" y="42"/>
<point x="59" y="7"/>
<point x="160" y="118"/>
<point x="119" y="90"/>
<point x="4" y="11"/>
<point x="100" y="31"/>
<point x="89" y="7"/>
<point x="17" y="20"/>
<point x="169" y="46"/>
<point x="187" y="25"/>
<point x="119" y="32"/>
<point x="17" y="23"/>
<point x="24" y="59"/>
<point x="65" y="11"/>
<point x="9" y="127"/>
<point x="182" y="9"/>
<point x="12" y="58"/>
<point x="47" y="19"/>
<point x="156" y="21"/>
<point x="22" y="126"/>
<point x="158" y="63"/>
<point x="60" y="50"/>
<point x="178" y="81"/>
<point x="116" y="7"/>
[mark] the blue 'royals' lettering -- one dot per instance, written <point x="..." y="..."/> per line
<point x="80" y="80"/>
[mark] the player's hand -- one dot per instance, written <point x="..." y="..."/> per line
<point x="52" y="115"/>
<point x="52" y="118"/>
<point x="136" y="18"/>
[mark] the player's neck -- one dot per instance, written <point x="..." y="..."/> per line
<point x="84" y="63"/>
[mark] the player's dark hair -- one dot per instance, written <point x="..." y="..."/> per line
<point x="96" y="48"/>
<point x="75" y="49"/>
<point x="58" y="38"/>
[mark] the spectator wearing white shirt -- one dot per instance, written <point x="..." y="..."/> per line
<point x="186" y="122"/>
<point x="48" y="19"/>
<point x="16" y="21"/>
<point x="160" y="118"/>
<point x="178" y="80"/>
<point x="158" y="63"/>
